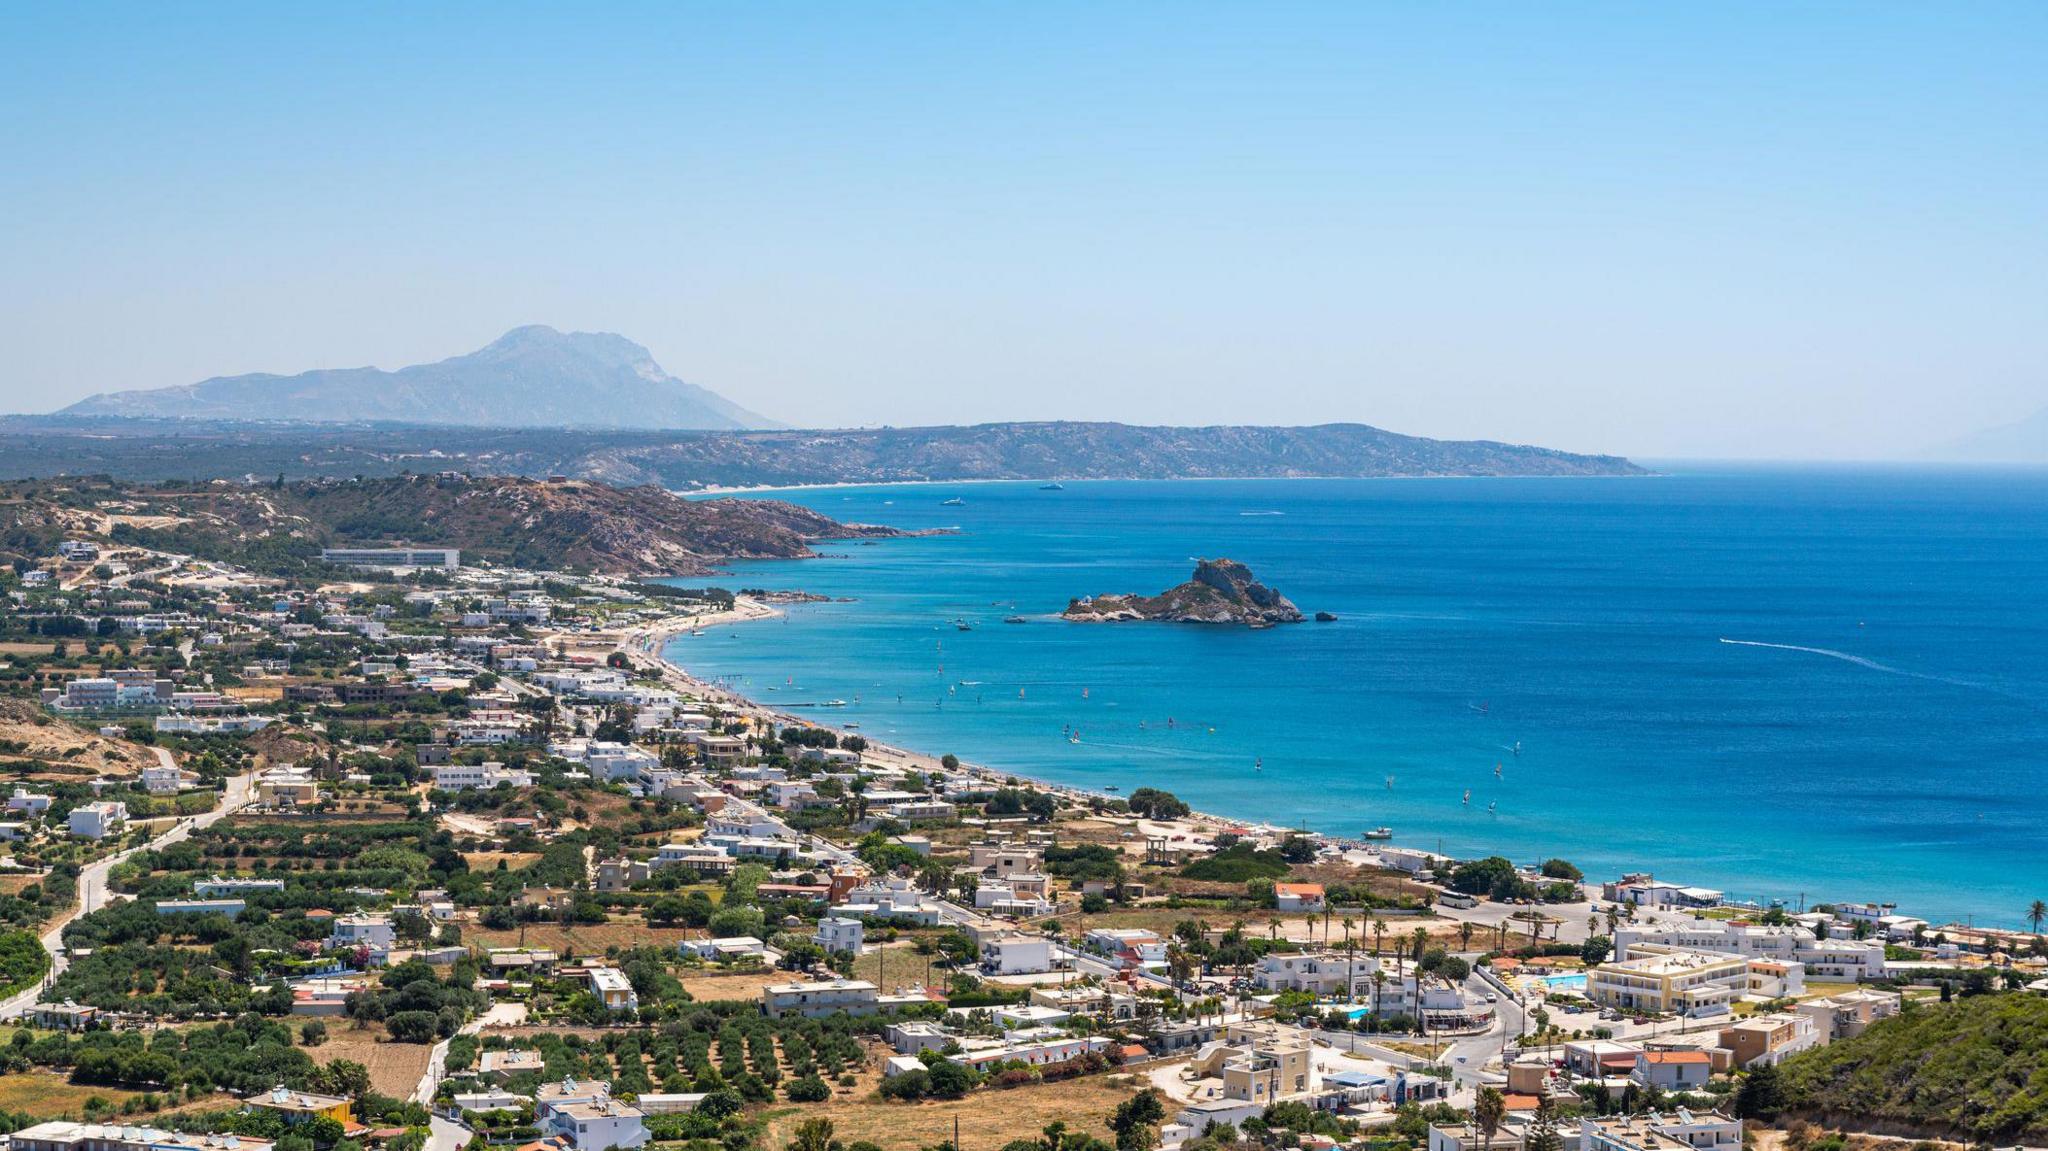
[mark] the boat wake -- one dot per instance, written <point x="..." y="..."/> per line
<point x="1844" y="656"/>
<point x="1873" y="665"/>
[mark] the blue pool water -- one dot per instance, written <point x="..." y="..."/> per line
<point x="1825" y="682"/>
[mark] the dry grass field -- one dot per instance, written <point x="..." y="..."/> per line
<point x="593" y="939"/>
<point x="986" y="1118"/>
<point x="395" y="1068"/>
<point x="748" y="985"/>
<point x="48" y="1096"/>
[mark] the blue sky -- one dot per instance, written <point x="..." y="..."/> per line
<point x="1712" y="230"/>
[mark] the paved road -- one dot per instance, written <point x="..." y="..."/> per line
<point x="446" y="1134"/>
<point x="92" y="881"/>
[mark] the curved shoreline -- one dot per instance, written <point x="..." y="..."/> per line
<point x="652" y="642"/>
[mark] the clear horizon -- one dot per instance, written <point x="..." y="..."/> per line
<point x="1749" y="232"/>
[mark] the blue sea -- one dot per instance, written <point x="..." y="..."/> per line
<point x="1803" y="683"/>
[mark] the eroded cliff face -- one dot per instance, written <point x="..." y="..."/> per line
<point x="1221" y="591"/>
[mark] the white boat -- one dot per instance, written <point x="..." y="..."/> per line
<point x="1379" y="833"/>
<point x="835" y="703"/>
<point x="955" y="502"/>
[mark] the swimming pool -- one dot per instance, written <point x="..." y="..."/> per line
<point x="1569" y="981"/>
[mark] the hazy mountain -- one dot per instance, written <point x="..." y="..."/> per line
<point x="2024" y="442"/>
<point x="531" y="377"/>
<point x="149" y="449"/>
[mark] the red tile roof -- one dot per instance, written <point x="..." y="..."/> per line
<point x="1676" y="1057"/>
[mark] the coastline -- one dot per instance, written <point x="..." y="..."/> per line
<point x="1600" y="666"/>
<point x="652" y="642"/>
<point x="716" y="491"/>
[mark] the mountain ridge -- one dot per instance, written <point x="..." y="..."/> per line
<point x="532" y="376"/>
<point x="2023" y="441"/>
<point x="157" y="449"/>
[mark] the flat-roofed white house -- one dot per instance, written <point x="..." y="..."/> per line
<point x="822" y="997"/>
<point x="98" y="819"/>
<point x="837" y="933"/>
<point x="613" y="989"/>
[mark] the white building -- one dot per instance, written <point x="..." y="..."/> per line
<point x="893" y="898"/>
<point x="217" y="886"/>
<point x="840" y="934"/>
<point x="1017" y="955"/>
<point x="62" y="1135"/>
<point x="29" y="803"/>
<point x="162" y="779"/>
<point x="227" y="907"/>
<point x="612" y="762"/>
<point x="447" y="559"/>
<point x="601" y="1126"/>
<point x="613" y="989"/>
<point x="375" y="932"/>
<point x="1829" y="959"/>
<point x="824" y="997"/>
<point x="482" y="776"/>
<point x="99" y="819"/>
<point x="1132" y="944"/>
<point x="731" y="949"/>
<point x="1660" y="979"/>
<point x="588" y="1118"/>
<point x="1013" y="900"/>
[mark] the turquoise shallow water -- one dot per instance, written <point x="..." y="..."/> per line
<point x="1877" y="729"/>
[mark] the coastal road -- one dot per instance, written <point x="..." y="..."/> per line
<point x="92" y="882"/>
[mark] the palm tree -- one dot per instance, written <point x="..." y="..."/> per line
<point x="1464" y="937"/>
<point x="1487" y="1111"/>
<point x="1350" y="979"/>
<point x="1311" y="921"/>
<point x="2036" y="912"/>
<point x="1379" y="929"/>
<point x="1379" y="994"/>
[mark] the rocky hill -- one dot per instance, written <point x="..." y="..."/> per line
<point x="36" y="745"/>
<point x="533" y="376"/>
<point x="1221" y="591"/>
<point x="159" y="449"/>
<point x="1974" y="1071"/>
<point x="496" y="519"/>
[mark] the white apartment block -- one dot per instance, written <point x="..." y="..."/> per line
<point x="447" y="559"/>
<point x="853" y="996"/>
<point x="1665" y="979"/>
<point x="484" y="776"/>
<point x="1829" y="959"/>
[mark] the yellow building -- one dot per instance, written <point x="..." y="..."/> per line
<point x="1667" y="980"/>
<point x="296" y="1107"/>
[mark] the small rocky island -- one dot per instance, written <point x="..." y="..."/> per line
<point x="1222" y="591"/>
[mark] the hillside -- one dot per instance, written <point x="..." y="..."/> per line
<point x="531" y="377"/>
<point x="499" y="519"/>
<point x="161" y="449"/>
<point x="1977" y="1068"/>
<point x="35" y="744"/>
